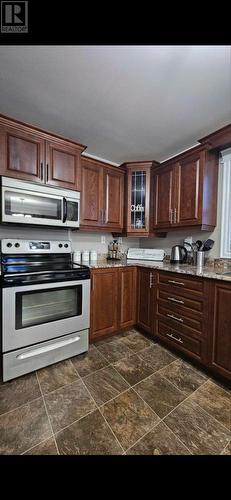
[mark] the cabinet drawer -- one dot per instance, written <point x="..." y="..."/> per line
<point x="180" y="282"/>
<point x="177" y="318"/>
<point x="175" y="300"/>
<point x="181" y="340"/>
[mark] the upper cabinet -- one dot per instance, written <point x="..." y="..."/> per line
<point x="102" y="200"/>
<point x="185" y="191"/>
<point x="139" y="198"/>
<point x="31" y="154"/>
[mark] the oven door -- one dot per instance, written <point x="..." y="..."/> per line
<point x="36" y="313"/>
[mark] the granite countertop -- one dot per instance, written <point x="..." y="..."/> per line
<point x="205" y="272"/>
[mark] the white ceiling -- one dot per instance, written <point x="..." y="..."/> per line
<point x="123" y="102"/>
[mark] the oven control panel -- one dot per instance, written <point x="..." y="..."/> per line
<point x="10" y="246"/>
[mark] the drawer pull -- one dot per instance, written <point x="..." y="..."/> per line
<point x="176" y="282"/>
<point x="175" y="300"/>
<point x="174" y="317"/>
<point x="174" y="338"/>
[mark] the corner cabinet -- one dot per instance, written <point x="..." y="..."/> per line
<point x="139" y="198"/>
<point x="102" y="199"/>
<point x="32" y="154"/>
<point x="185" y="191"/>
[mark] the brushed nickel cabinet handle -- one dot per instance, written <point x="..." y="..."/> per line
<point x="170" y="215"/>
<point x="174" y="317"/>
<point x="175" y="300"/>
<point x="174" y="338"/>
<point x="176" y="282"/>
<point x="174" y="215"/>
<point x="150" y="280"/>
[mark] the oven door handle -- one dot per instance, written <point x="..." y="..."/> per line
<point x="52" y="347"/>
<point x="64" y="209"/>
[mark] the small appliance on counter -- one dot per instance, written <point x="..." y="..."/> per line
<point x="178" y="255"/>
<point x="145" y="254"/>
<point x="114" y="251"/>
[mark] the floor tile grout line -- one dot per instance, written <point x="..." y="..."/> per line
<point x="75" y="421"/>
<point x="177" y="437"/>
<point x="48" y="416"/>
<point x="188" y="397"/>
<point x="35" y="445"/>
<point x="226" y="446"/>
<point x="98" y="407"/>
<point x="21" y="406"/>
<point x="150" y="430"/>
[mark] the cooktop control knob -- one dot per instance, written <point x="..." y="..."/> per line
<point x="60" y="245"/>
<point x="9" y="245"/>
<point x="66" y="245"/>
<point x="17" y="245"/>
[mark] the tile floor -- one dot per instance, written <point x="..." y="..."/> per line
<point x="127" y="395"/>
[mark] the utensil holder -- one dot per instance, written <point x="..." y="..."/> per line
<point x="200" y="259"/>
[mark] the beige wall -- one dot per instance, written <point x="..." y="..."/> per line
<point x="177" y="237"/>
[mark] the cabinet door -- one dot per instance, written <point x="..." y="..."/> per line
<point x="113" y="198"/>
<point x="220" y="349"/>
<point x="164" y="197"/>
<point x="138" y="200"/>
<point x="145" y="305"/>
<point x="188" y="192"/>
<point x="127" y="316"/>
<point x="62" y="165"/>
<point x="21" y="154"/>
<point x="92" y="194"/>
<point x="104" y="302"/>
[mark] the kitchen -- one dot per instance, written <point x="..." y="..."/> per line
<point x="115" y="251"/>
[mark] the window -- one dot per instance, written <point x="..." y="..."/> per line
<point x="226" y="204"/>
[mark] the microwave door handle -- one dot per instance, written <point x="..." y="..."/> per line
<point x="64" y="209"/>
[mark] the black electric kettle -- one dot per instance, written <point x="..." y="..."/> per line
<point x="178" y="254"/>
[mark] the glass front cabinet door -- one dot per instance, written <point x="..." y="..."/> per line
<point x="139" y="198"/>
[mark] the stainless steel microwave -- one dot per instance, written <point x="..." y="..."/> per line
<point x="28" y="203"/>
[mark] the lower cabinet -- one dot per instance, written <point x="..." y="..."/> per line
<point x="180" y="310"/>
<point x="187" y="313"/>
<point x="220" y="329"/>
<point x="113" y="300"/>
<point x="145" y="298"/>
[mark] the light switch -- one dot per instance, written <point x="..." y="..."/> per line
<point x="103" y="239"/>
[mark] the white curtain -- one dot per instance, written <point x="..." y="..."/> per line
<point x="226" y="204"/>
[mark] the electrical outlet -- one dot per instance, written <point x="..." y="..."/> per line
<point x="103" y="239"/>
<point x="120" y="240"/>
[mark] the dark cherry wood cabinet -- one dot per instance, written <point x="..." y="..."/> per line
<point x="138" y="216"/>
<point x="63" y="167"/>
<point x="145" y="278"/>
<point x="32" y="154"/>
<point x="220" y="328"/>
<point x="92" y="194"/>
<point x="127" y="294"/>
<point x="164" y="197"/>
<point x="22" y="154"/>
<point x="102" y="204"/>
<point x="113" y="300"/>
<point x="104" y="302"/>
<point x="114" y="198"/>
<point x="185" y="191"/>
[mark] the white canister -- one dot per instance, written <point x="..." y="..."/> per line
<point x="77" y="256"/>
<point x="85" y="256"/>
<point x="93" y="256"/>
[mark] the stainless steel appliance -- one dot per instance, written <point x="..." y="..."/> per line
<point x="45" y="305"/>
<point x="29" y="203"/>
<point x="178" y="254"/>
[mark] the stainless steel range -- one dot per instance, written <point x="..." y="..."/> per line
<point x="45" y="305"/>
